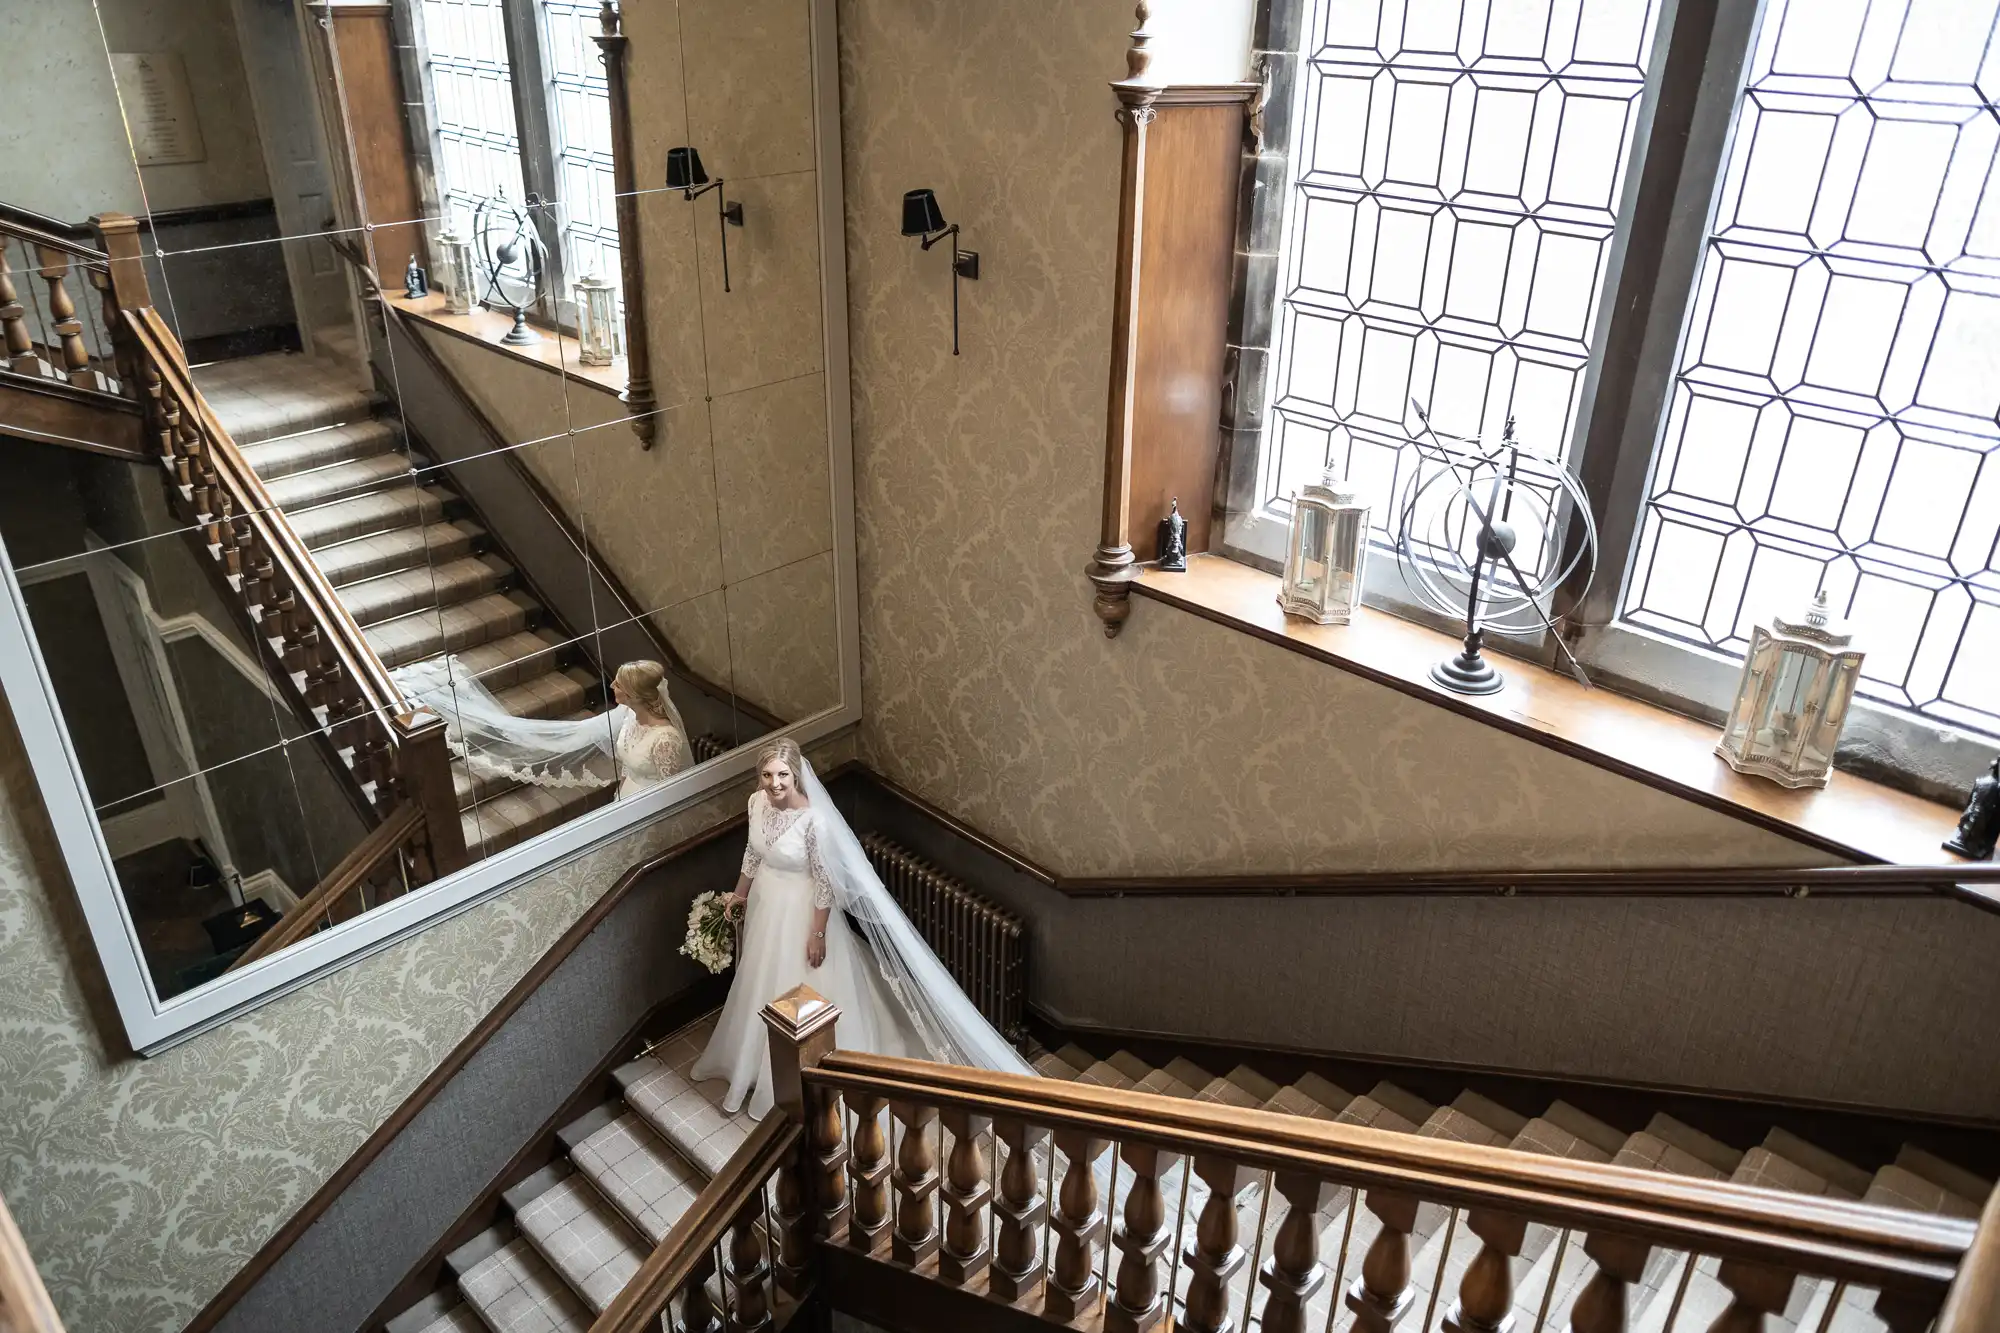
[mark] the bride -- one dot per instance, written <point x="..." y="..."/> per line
<point x="804" y="875"/>
<point x="638" y="745"/>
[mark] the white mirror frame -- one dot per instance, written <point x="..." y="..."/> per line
<point x="153" y="1025"/>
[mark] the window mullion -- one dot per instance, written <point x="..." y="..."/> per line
<point x="534" y="118"/>
<point x="1691" y="108"/>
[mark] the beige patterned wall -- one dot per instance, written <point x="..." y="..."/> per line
<point x="986" y="683"/>
<point x="142" y="1186"/>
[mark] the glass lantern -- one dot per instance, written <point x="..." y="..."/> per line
<point x="1792" y="700"/>
<point x="596" y="321"/>
<point x="455" y="277"/>
<point x="1326" y="554"/>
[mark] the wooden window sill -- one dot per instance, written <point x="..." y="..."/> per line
<point x="488" y="327"/>
<point x="1850" y="817"/>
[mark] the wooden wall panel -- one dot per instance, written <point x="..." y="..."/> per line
<point x="1187" y="243"/>
<point x="372" y="99"/>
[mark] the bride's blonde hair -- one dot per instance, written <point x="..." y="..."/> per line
<point x="643" y="681"/>
<point x="787" y="749"/>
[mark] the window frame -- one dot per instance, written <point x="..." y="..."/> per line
<point x="528" y="65"/>
<point x="1681" y="144"/>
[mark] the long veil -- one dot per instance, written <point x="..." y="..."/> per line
<point x="546" y="752"/>
<point x="951" y="1028"/>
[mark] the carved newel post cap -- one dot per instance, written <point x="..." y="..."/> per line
<point x="799" y="1012"/>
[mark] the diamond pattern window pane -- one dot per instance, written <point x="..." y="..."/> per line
<point x="1833" y="421"/>
<point x="580" y="107"/>
<point x="479" y="149"/>
<point x="1447" y="229"/>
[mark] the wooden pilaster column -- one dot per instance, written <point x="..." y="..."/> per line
<point x="631" y="271"/>
<point x="1112" y="569"/>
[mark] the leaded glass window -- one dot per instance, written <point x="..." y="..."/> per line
<point x="478" y="148"/>
<point x="580" y="115"/>
<point x="1458" y="173"/>
<point x="1832" y="421"/>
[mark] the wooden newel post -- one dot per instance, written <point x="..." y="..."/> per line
<point x="125" y="289"/>
<point x="423" y="762"/>
<point x="811" y="1190"/>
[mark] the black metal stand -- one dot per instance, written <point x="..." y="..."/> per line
<point x="729" y="213"/>
<point x="964" y="264"/>
<point x="1469" y="672"/>
<point x="522" y="333"/>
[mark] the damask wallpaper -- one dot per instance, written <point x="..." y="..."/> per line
<point x="142" y="1186"/>
<point x="987" y="685"/>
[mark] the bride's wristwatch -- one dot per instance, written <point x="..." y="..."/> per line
<point x="819" y="934"/>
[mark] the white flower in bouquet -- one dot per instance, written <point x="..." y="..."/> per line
<point x="711" y="939"/>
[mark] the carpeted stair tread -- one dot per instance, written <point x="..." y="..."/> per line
<point x="1764" y="1168"/>
<point x="1897" y="1187"/>
<point x="1162" y="1084"/>
<point x="583" y="1238"/>
<point x="552" y="694"/>
<point x="344" y="443"/>
<point x="1502" y="1121"/>
<point x="304" y="491"/>
<point x="1104" y="1074"/>
<point x="1290" y="1101"/>
<point x="460" y="1318"/>
<point x="649" y="1184"/>
<point x="1222" y="1092"/>
<point x="522" y="812"/>
<point x="258" y="398"/>
<point x="1386" y="1106"/>
<point x="1848" y="1178"/>
<point x="364" y="515"/>
<point x="1130" y="1065"/>
<point x="1650" y="1152"/>
<point x="1324" y="1091"/>
<point x="1188" y="1072"/>
<point x="513" y="658"/>
<point x="401" y="548"/>
<point x="452" y="629"/>
<point x="1691" y="1140"/>
<point x="1606" y="1138"/>
<point x="688" y="1115"/>
<point x="1946" y="1175"/>
<point x="439" y="584"/>
<point x="1050" y="1065"/>
<point x="1543" y="1135"/>
<point x="515" y="1291"/>
<point x="1252" y="1082"/>
<point x="1076" y="1057"/>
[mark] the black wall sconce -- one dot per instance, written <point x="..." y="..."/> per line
<point x="921" y="217"/>
<point x="686" y="174"/>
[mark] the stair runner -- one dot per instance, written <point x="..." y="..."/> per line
<point x="1916" y="1180"/>
<point x="417" y="573"/>
<point x="578" y="1229"/>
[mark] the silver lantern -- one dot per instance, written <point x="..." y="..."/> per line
<point x="1792" y="700"/>
<point x="596" y="321"/>
<point x="1326" y="554"/>
<point x="455" y="277"/>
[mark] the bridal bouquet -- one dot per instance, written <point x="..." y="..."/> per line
<point x="711" y="937"/>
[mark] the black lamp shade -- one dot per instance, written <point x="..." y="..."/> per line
<point x="684" y="169"/>
<point x="921" y="215"/>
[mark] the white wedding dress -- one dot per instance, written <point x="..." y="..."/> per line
<point x="648" y="755"/>
<point x="789" y="881"/>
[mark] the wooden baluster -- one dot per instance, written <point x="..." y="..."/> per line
<point x="750" y="1308"/>
<point x="801" y="1026"/>
<point x="1486" y="1292"/>
<point x="1072" y="1286"/>
<point x="1214" y="1256"/>
<point x="67" y="327"/>
<point x="1142" y="1236"/>
<point x="1017" y="1250"/>
<point x="967" y="1188"/>
<point x="697" y="1309"/>
<point x="868" y="1226"/>
<point x="1603" y="1304"/>
<point x="1755" y="1290"/>
<point x="1382" y="1294"/>
<point x="1293" y="1274"/>
<point x="915" y="1180"/>
<point x="14" y="319"/>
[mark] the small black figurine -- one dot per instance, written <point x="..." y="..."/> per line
<point x="1173" y="540"/>
<point x="416" y="282"/>
<point x="1979" y="827"/>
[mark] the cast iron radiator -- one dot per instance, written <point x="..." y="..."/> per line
<point x="706" y="747"/>
<point x="983" y="947"/>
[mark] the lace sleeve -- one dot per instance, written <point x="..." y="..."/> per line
<point x="816" y="867"/>
<point x="752" y="862"/>
<point x="666" y="752"/>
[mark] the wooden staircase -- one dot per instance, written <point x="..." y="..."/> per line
<point x="410" y="562"/>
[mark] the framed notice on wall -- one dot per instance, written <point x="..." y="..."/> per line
<point x="159" y="111"/>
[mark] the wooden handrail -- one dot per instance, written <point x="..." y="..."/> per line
<point x="1861" y="1243"/>
<point x="257" y="506"/>
<point x="687" y="1247"/>
<point x="25" y="1306"/>
<point x="382" y="842"/>
<point x="38" y="230"/>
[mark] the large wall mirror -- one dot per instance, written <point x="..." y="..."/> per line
<point x="420" y="489"/>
